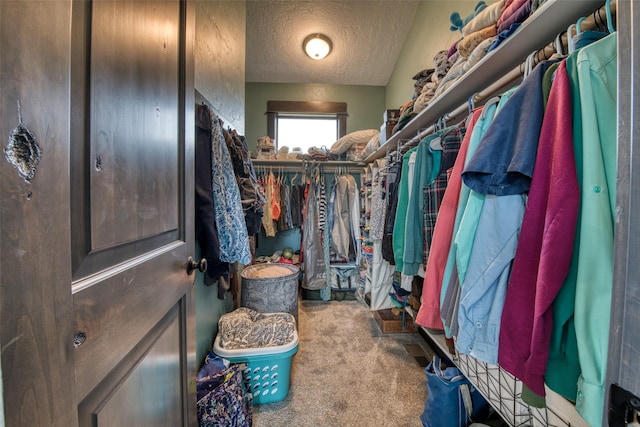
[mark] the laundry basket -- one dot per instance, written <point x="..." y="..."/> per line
<point x="270" y="294"/>
<point x="267" y="371"/>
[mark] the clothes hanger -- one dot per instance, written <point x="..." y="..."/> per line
<point x="471" y="104"/>
<point x="571" y="43"/>
<point x="559" y="48"/>
<point x="607" y="8"/>
<point x="436" y="143"/>
<point x="487" y="104"/>
<point x="527" y="65"/>
<point x="579" y="25"/>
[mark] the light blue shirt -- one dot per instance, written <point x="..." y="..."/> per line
<point x="484" y="288"/>
<point x="478" y="131"/>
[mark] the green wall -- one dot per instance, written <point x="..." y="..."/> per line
<point x="219" y="77"/>
<point x="365" y="104"/>
<point x="220" y="44"/>
<point x="429" y="34"/>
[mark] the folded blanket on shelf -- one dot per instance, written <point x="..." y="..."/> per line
<point x="470" y="42"/>
<point x="489" y="16"/>
<point x="514" y="11"/>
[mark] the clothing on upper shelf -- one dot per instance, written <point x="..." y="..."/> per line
<point x="515" y="11"/>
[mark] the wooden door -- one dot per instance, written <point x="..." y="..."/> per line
<point x="97" y="319"/>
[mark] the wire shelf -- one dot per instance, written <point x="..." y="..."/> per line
<point x="504" y="393"/>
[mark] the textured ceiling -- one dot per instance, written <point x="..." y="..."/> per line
<point x="367" y="37"/>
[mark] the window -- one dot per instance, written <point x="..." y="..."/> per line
<point x="306" y="131"/>
<point x="306" y="124"/>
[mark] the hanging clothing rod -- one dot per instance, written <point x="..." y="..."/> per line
<point x="597" y="19"/>
<point x="300" y="165"/>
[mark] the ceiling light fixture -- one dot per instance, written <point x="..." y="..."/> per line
<point x="317" y="46"/>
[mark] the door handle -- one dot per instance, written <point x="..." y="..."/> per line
<point x="192" y="265"/>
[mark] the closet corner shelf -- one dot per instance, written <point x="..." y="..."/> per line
<point x="541" y="28"/>
<point x="438" y="339"/>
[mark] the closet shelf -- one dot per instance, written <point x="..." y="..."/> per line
<point x="536" y="32"/>
<point x="494" y="384"/>
<point x="301" y="163"/>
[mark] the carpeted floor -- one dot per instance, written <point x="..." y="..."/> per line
<point x="348" y="373"/>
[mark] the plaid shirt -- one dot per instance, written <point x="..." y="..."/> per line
<point x="434" y="192"/>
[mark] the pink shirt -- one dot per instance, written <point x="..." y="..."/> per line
<point x="429" y="313"/>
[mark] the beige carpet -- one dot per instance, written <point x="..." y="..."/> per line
<point x="348" y="373"/>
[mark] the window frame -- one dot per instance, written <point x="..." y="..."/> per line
<point x="305" y="109"/>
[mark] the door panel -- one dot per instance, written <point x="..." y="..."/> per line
<point x="131" y="213"/>
<point x="115" y="313"/>
<point x="152" y="367"/>
<point x="134" y="121"/>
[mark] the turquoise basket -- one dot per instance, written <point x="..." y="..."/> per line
<point x="267" y="370"/>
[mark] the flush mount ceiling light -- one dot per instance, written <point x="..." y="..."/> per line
<point x="317" y="46"/>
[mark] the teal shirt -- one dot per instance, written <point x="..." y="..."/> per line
<point x="425" y="171"/>
<point x="597" y="79"/>
<point x="399" y="224"/>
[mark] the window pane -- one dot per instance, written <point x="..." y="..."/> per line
<point x="306" y="132"/>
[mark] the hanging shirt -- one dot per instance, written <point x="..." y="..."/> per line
<point x="267" y="218"/>
<point x="232" y="229"/>
<point x="297" y="196"/>
<point x="401" y="211"/>
<point x="378" y="207"/>
<point x="597" y="76"/>
<point x="251" y="193"/>
<point x="425" y="169"/>
<point x="503" y="163"/>
<point x="470" y="204"/>
<point x="434" y="192"/>
<point x="544" y="251"/>
<point x="315" y="275"/>
<point x="483" y="291"/>
<point x="206" y="229"/>
<point x="344" y="232"/>
<point x="394" y="177"/>
<point x="501" y="166"/>
<point x="321" y="197"/>
<point x="428" y="315"/>
<point x="429" y="312"/>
